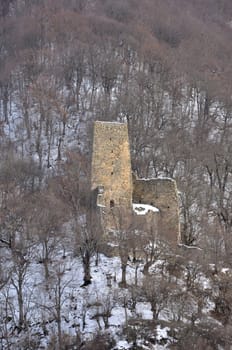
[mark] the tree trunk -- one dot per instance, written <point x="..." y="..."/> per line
<point x="26" y="118"/>
<point x="136" y="275"/>
<point x="20" y="302"/>
<point x="59" y="149"/>
<point x="86" y="266"/>
<point x="5" y="103"/>
<point x="146" y="267"/>
<point x="154" y="311"/>
<point x="123" y="281"/>
<point x="45" y="260"/>
<point x="58" y="310"/>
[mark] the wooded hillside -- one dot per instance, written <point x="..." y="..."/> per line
<point x="163" y="66"/>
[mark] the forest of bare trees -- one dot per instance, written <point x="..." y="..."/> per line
<point x="163" y="66"/>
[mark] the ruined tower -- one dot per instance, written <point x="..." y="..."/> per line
<point x="162" y="193"/>
<point x="111" y="168"/>
<point x="114" y="191"/>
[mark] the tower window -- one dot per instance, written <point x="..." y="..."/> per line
<point x="111" y="203"/>
<point x="112" y="172"/>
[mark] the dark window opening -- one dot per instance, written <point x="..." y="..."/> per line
<point x="140" y="201"/>
<point x="152" y="204"/>
<point x="111" y="203"/>
<point x="112" y="172"/>
<point x="112" y="151"/>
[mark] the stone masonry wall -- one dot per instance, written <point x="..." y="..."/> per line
<point x="111" y="165"/>
<point x="111" y="181"/>
<point x="161" y="193"/>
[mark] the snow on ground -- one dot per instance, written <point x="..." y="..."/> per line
<point x="41" y="143"/>
<point x="81" y="307"/>
<point x="162" y="333"/>
<point x="160" y="177"/>
<point x="144" y="310"/>
<point x="143" y="209"/>
<point x="122" y="345"/>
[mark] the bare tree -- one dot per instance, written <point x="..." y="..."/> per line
<point x="86" y="240"/>
<point x="57" y="297"/>
<point x="157" y="293"/>
<point x="46" y="219"/>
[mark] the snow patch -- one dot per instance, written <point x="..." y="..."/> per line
<point x="123" y="344"/>
<point x="143" y="209"/>
<point x="225" y="270"/>
<point x="101" y="205"/>
<point x="144" y="310"/>
<point x="156" y="178"/>
<point x="162" y="333"/>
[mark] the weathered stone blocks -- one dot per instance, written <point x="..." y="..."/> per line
<point x="112" y="175"/>
<point x="162" y="193"/>
<point x="111" y="167"/>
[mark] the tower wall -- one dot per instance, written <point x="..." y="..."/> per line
<point x="111" y="180"/>
<point x="111" y="166"/>
<point x="161" y="193"/>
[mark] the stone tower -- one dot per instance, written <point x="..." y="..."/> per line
<point x="114" y="191"/>
<point x="111" y="173"/>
